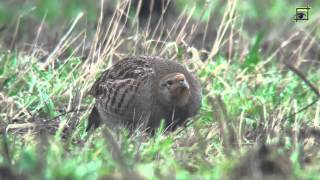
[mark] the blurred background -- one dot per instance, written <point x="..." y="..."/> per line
<point x="259" y="118"/>
<point x="21" y="21"/>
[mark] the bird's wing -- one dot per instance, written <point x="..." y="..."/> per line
<point x="120" y="84"/>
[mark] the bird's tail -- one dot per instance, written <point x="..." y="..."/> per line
<point x="94" y="119"/>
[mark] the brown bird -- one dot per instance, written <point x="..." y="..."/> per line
<point x="139" y="92"/>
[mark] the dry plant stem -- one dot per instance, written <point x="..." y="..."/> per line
<point x="171" y="31"/>
<point x="19" y="126"/>
<point x="241" y="125"/>
<point x="224" y="25"/>
<point x="302" y="109"/>
<point x="115" y="37"/>
<point x="155" y="30"/>
<point x="312" y="87"/>
<point x="13" y="42"/>
<point x="283" y="45"/>
<point x="149" y="18"/>
<point x="117" y="155"/>
<point x="114" y="149"/>
<point x="160" y="19"/>
<point x="94" y="44"/>
<point x="227" y="130"/>
<point x="230" y="48"/>
<point x="196" y="26"/>
<point x="303" y="49"/>
<point x="68" y="112"/>
<point x="136" y="16"/>
<point x="154" y="51"/>
<point x="111" y="41"/>
<point x="15" y="34"/>
<point x="71" y="41"/>
<point x="181" y="35"/>
<point x="205" y="33"/>
<point x="203" y="146"/>
<point x="104" y="44"/>
<point x="35" y="43"/>
<point x="32" y="125"/>
<point x="61" y="44"/>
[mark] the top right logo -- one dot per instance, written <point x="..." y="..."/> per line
<point x="302" y="14"/>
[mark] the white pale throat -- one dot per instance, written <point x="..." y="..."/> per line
<point x="183" y="98"/>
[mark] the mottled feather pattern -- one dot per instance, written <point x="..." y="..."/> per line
<point x="113" y="87"/>
<point x="129" y="93"/>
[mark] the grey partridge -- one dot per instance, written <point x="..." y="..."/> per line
<point x="141" y="91"/>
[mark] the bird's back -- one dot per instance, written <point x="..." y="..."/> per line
<point x="123" y="92"/>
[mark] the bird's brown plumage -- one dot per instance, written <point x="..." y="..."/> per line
<point x="142" y="90"/>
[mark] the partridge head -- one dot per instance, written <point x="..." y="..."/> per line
<point x="174" y="88"/>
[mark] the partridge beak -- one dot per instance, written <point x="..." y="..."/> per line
<point x="181" y="81"/>
<point x="183" y="84"/>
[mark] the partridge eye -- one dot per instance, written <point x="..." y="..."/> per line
<point x="169" y="83"/>
<point x="300" y="16"/>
